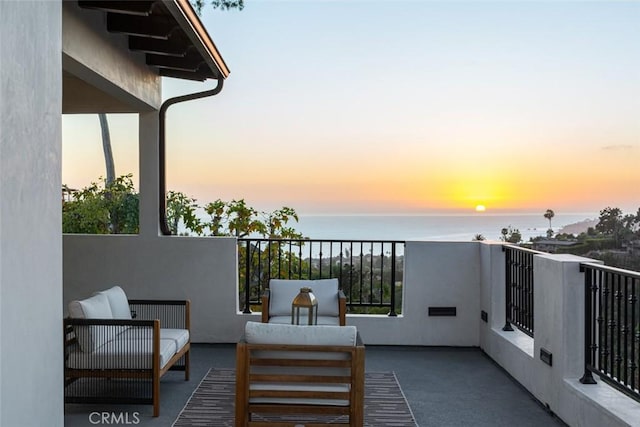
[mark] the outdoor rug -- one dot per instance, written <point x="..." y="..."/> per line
<point x="212" y="403"/>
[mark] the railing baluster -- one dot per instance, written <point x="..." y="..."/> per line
<point x="633" y="301"/>
<point x="393" y="313"/>
<point x="361" y="269"/>
<point x="507" y="289"/>
<point x="371" y="288"/>
<point x="589" y="353"/>
<point x="247" y="279"/>
<point x="381" y="271"/>
<point x="616" y="324"/>
<point x="351" y="272"/>
<point x="625" y="330"/>
<point x="300" y="260"/>
<point x="310" y="259"/>
<point x="369" y="285"/>
<point x="519" y="289"/>
<point x="607" y="329"/>
<point x="612" y="328"/>
<point x="330" y="260"/>
<point x="340" y="272"/>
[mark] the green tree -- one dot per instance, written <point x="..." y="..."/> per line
<point x="102" y="208"/>
<point x="218" y="4"/>
<point x="511" y="235"/>
<point x="182" y="209"/>
<point x="478" y="238"/>
<point x="611" y="223"/>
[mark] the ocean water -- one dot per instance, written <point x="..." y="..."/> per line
<point x="430" y="227"/>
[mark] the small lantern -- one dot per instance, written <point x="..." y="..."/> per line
<point x="304" y="308"/>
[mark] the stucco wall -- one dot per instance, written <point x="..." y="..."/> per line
<point x="204" y="270"/>
<point x="154" y="267"/>
<point x="432" y="278"/>
<point x="30" y="215"/>
<point x="559" y="329"/>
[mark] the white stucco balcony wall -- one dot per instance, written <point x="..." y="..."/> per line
<point x="559" y="329"/>
<point x="30" y="216"/>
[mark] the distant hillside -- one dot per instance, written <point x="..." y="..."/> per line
<point x="578" y="227"/>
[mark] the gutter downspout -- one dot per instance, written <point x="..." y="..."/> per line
<point x="162" y="176"/>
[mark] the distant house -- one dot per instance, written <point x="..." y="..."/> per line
<point x="632" y="247"/>
<point x="552" y="245"/>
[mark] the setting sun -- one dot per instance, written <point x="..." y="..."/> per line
<point x="480" y="208"/>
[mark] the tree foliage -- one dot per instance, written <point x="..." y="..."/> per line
<point x="102" y="208"/>
<point x="218" y="4"/>
<point x="511" y="235"/>
<point x="612" y="222"/>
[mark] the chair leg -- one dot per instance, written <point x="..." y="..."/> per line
<point x="186" y="365"/>
<point x="156" y="397"/>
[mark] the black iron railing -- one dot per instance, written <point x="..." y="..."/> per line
<point x="369" y="272"/>
<point x="519" y="289"/>
<point x="612" y="327"/>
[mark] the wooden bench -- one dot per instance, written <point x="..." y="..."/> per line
<point x="288" y="369"/>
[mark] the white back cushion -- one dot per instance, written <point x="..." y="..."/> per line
<point x="118" y="302"/>
<point x="274" y="333"/>
<point x="282" y="293"/>
<point x="96" y="307"/>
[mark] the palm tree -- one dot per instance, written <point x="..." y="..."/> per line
<point x="106" y="148"/>
<point x="549" y="214"/>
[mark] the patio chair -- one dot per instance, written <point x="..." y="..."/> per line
<point x="277" y="298"/>
<point x="301" y="371"/>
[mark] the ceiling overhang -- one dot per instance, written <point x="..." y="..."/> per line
<point x="168" y="33"/>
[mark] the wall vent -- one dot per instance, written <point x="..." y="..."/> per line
<point x="442" y="311"/>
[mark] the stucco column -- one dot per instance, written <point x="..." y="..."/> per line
<point x="149" y="173"/>
<point x="31" y="353"/>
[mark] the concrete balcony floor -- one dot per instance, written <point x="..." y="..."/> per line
<point x="444" y="387"/>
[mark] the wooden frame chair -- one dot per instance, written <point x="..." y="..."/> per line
<point x="277" y="298"/>
<point x="298" y="370"/>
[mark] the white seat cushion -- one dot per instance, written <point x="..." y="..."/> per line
<point x="282" y="293"/>
<point x="274" y="333"/>
<point x="179" y="336"/>
<point x="122" y="354"/>
<point x="96" y="307"/>
<point x="118" y="302"/>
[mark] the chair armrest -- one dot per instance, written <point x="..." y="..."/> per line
<point x="342" y="307"/>
<point x="174" y="314"/>
<point x="115" y="352"/>
<point x="265" y="305"/>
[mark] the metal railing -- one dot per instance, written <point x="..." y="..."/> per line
<point x="519" y="289"/>
<point x="612" y="327"/>
<point x="369" y="272"/>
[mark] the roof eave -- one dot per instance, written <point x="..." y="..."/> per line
<point x="188" y="20"/>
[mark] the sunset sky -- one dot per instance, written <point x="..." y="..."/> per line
<point x="403" y="107"/>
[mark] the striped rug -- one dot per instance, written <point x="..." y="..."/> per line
<point x="212" y="403"/>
